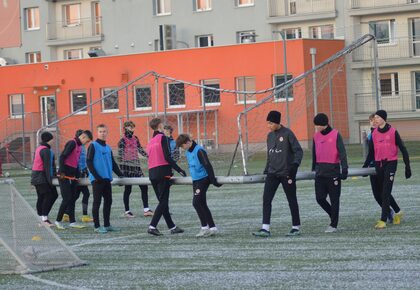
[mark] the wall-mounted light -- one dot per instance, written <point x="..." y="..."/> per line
<point x="57" y="90"/>
<point x="35" y="92"/>
<point x="45" y="88"/>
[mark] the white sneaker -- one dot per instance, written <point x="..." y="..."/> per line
<point x="330" y="229"/>
<point x="212" y="232"/>
<point x="59" y="225"/>
<point x="129" y="214"/>
<point x="202" y="233"/>
<point x="76" y="226"/>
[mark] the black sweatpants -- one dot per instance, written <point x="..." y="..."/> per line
<point x="329" y="186"/>
<point x="47" y="195"/>
<point x="200" y="203"/>
<point x="270" y="187"/>
<point x="102" y="189"/>
<point x="385" y="172"/>
<point x="68" y="191"/>
<point x="161" y="187"/>
<point x="85" y="199"/>
<point x="377" y="193"/>
<point x="144" y="196"/>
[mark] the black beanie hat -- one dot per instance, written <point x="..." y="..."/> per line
<point x="321" y="119"/>
<point x="382" y="114"/>
<point x="46" y="136"/>
<point x="274" y="117"/>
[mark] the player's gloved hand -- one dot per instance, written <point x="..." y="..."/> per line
<point x="61" y="175"/>
<point x="182" y="173"/>
<point x="265" y="171"/>
<point x="407" y="172"/>
<point x="293" y="171"/>
<point x="217" y="184"/>
<point x="344" y="174"/>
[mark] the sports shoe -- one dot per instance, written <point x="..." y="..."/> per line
<point x="293" y="232"/>
<point x="262" y="233"/>
<point x="212" y="232"/>
<point x="129" y="214"/>
<point x="330" y="229"/>
<point x="59" y="225"/>
<point x="76" y="226"/>
<point x="397" y="218"/>
<point x="48" y="223"/>
<point x="202" y="233"/>
<point x="177" y="230"/>
<point x="380" y="225"/>
<point x="100" y="230"/>
<point x="86" y="219"/>
<point x="390" y="219"/>
<point x="65" y="218"/>
<point x="154" y="232"/>
<point x="112" y="229"/>
<point x="148" y="213"/>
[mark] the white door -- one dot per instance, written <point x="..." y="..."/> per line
<point x="48" y="110"/>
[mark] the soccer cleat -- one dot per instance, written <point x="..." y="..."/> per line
<point x="129" y="214"/>
<point x="112" y="229"/>
<point x="397" y="218"/>
<point x="177" y="230"/>
<point x="86" y="219"/>
<point x="48" y="223"/>
<point x="293" y="232"/>
<point x="59" y="226"/>
<point x="203" y="233"/>
<point x="148" y="213"/>
<point x="100" y="230"/>
<point x="262" y="233"/>
<point x="330" y="229"/>
<point x="76" y="226"/>
<point x="154" y="232"/>
<point x="65" y="218"/>
<point x="380" y="225"/>
<point x="390" y="219"/>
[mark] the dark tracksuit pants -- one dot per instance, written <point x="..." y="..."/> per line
<point x="329" y="186"/>
<point x="68" y="191"/>
<point x="385" y="173"/>
<point x="270" y="187"/>
<point x="85" y="199"/>
<point x="47" y="195"/>
<point x="101" y="190"/>
<point x="134" y="171"/>
<point x="377" y="193"/>
<point x="161" y="187"/>
<point x="200" y="203"/>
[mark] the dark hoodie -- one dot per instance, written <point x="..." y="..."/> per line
<point x="44" y="177"/>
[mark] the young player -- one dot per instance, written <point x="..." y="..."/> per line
<point x="202" y="175"/>
<point x="168" y="130"/>
<point x="284" y="155"/>
<point x="383" y="149"/>
<point x="67" y="178"/>
<point x="160" y="173"/>
<point x="43" y="170"/>
<point x="328" y="152"/>
<point x="101" y="164"/>
<point x="129" y="147"/>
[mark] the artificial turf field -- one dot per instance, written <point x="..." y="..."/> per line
<point x="357" y="257"/>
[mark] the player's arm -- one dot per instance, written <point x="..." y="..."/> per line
<point x="89" y="162"/>
<point x="46" y="160"/>
<point x="204" y="160"/>
<point x="115" y="167"/>
<point x="140" y="149"/>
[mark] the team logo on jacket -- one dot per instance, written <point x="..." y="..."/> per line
<point x="281" y="139"/>
<point x="289" y="181"/>
<point x="197" y="191"/>
<point x="336" y="182"/>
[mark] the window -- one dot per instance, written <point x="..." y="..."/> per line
<point x="176" y="95"/>
<point x="33" y="57"/>
<point x="211" y="97"/>
<point x="110" y="103"/>
<point x="244" y="3"/>
<point x="281" y="94"/>
<point x="15" y="105"/>
<point x="389" y="84"/>
<point x="293" y="33"/>
<point x="202" y="5"/>
<point x="97" y="17"/>
<point x="246" y="36"/>
<point x="32" y="18"/>
<point x="73" y="53"/>
<point x="162" y="7"/>
<point x="322" y="32"/>
<point x="417" y="84"/>
<point x="292" y="7"/>
<point x="204" y="40"/>
<point x="415" y="36"/>
<point x="245" y="84"/>
<point x="384" y="31"/>
<point x="71" y="14"/>
<point x="143" y="98"/>
<point x="78" y="101"/>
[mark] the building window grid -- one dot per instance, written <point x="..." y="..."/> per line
<point x="176" y="95"/>
<point x="203" y="5"/>
<point x="78" y="100"/>
<point x="73" y="53"/>
<point x="32" y="18"/>
<point x="389" y="85"/>
<point x="384" y="31"/>
<point x="208" y="96"/>
<point x="417" y="89"/>
<point x="247" y="36"/>
<point x="322" y="31"/>
<point x="15" y="105"/>
<point x="245" y="83"/>
<point x="72" y="14"/>
<point x="278" y="80"/>
<point x="163" y="7"/>
<point x="110" y="103"/>
<point x="244" y="3"/>
<point x="142" y="98"/>
<point x="293" y="33"/>
<point x="33" y="57"/>
<point x="204" y="40"/>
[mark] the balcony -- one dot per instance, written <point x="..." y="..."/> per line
<point x="371" y="7"/>
<point x="285" y="11"/>
<point x="405" y="101"/>
<point x="85" y="30"/>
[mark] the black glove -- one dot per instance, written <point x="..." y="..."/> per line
<point x="344" y="174"/>
<point x="265" y="171"/>
<point x="293" y="171"/>
<point x="217" y="184"/>
<point x="407" y="172"/>
<point x="182" y="173"/>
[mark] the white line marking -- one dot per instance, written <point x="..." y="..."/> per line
<point x="52" y="283"/>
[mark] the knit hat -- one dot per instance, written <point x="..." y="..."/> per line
<point x="46" y="136"/>
<point x="382" y="114"/>
<point x="321" y="119"/>
<point x="274" y="117"/>
<point x="129" y="124"/>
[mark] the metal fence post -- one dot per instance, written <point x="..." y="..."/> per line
<point x="376" y="75"/>
<point x="312" y="51"/>
<point x="283" y="36"/>
<point x="23" y="130"/>
<point x="91" y="110"/>
<point x="126" y="104"/>
<point x="156" y="95"/>
<point x="331" y="97"/>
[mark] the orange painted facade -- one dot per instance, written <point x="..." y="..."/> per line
<point x="259" y="60"/>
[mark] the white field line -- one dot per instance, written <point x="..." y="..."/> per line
<point x="52" y="283"/>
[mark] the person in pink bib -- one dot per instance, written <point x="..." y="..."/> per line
<point x="383" y="150"/>
<point x="329" y="161"/>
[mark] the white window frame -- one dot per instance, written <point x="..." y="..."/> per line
<point x="248" y="101"/>
<point x="416" y="90"/>
<point x="391" y="31"/>
<point x="102" y="101"/>
<point x="208" y="5"/>
<point x="206" y="83"/>
<point x="246" y="35"/>
<point x="33" y="54"/>
<point x="297" y="32"/>
<point x="289" y="77"/>
<point x="67" y="51"/>
<point x="136" y="108"/>
<point x="169" y="96"/>
<point x="248" y="4"/>
<point x="319" y="31"/>
<point x="11" y="114"/>
<point x="32" y="10"/>
<point x="72" y="95"/>
<point x="164" y="8"/>
<point x="394" y="92"/>
<point x="66" y="19"/>
<point x="414" y="37"/>
<point x="209" y="37"/>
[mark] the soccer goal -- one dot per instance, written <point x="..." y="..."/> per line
<point x="26" y="245"/>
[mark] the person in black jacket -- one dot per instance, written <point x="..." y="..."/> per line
<point x="43" y="171"/>
<point x="284" y="155"/>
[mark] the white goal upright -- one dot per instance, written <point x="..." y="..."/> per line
<point x="26" y="245"/>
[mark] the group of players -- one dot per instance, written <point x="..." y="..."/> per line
<point x="284" y="155"/>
